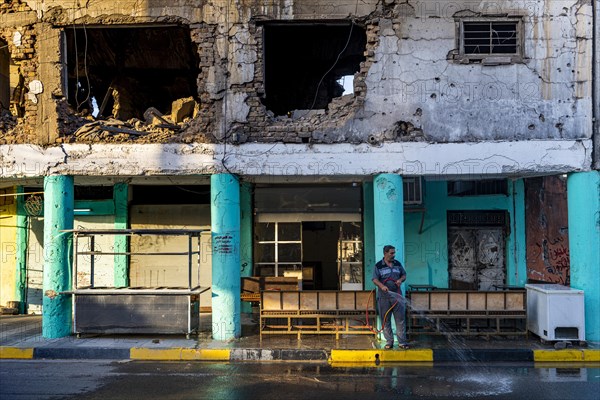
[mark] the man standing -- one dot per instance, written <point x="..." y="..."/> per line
<point x="388" y="275"/>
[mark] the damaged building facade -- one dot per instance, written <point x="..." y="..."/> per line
<point x="302" y="136"/>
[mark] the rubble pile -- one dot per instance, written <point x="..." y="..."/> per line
<point x="307" y="126"/>
<point x="116" y="130"/>
<point x="155" y="128"/>
<point x="13" y="6"/>
<point x="10" y="129"/>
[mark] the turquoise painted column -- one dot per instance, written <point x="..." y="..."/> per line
<point x="583" y="198"/>
<point x="225" y="220"/>
<point x="121" y="261"/>
<point x="388" y="214"/>
<point x="58" y="215"/>
<point x="368" y="235"/>
<point x="22" y="242"/>
<point x="246" y="236"/>
<point x="517" y="268"/>
<point x="388" y="217"/>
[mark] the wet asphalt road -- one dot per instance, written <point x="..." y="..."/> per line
<point x="180" y="380"/>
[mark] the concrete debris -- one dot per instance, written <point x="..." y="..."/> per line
<point x="155" y="127"/>
<point x="297" y="114"/>
<point x="100" y="130"/>
<point x="182" y="108"/>
<point x="154" y="117"/>
<point x="341" y="102"/>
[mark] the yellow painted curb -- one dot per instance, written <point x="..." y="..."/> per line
<point x="566" y="355"/>
<point x="16" y="352"/>
<point x="370" y="356"/>
<point x="140" y="353"/>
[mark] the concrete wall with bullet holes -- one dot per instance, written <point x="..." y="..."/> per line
<point x="413" y="85"/>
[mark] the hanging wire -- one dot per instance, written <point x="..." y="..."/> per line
<point x="85" y="49"/>
<point x="76" y="65"/>
<point x="19" y="194"/>
<point x="333" y="66"/>
<point x="85" y="68"/>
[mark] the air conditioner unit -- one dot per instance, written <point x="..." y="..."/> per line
<point x="413" y="193"/>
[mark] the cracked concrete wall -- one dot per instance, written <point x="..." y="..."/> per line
<point x="407" y="89"/>
<point x="546" y="96"/>
<point x="49" y="73"/>
<point x="209" y="11"/>
<point x="439" y="160"/>
<point x="596" y="74"/>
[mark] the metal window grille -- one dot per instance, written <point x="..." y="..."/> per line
<point x="490" y="37"/>
<point x="413" y="193"/>
<point x="478" y="188"/>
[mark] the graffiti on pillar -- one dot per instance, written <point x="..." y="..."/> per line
<point x="547" y="234"/>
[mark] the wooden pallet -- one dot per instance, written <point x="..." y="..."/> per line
<point x="316" y="312"/>
<point x="489" y="313"/>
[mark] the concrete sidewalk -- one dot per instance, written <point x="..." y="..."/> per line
<point x="20" y="337"/>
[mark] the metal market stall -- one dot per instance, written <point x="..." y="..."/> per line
<point x="147" y="308"/>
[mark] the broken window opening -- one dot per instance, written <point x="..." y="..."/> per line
<point x="123" y="71"/>
<point x="305" y="62"/>
<point x="4" y="76"/>
<point x="347" y="82"/>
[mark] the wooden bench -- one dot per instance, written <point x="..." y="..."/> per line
<point x="316" y="312"/>
<point x="490" y="313"/>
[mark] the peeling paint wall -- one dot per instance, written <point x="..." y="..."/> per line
<point x="8" y="246"/>
<point x="410" y="87"/>
<point x="546" y="219"/>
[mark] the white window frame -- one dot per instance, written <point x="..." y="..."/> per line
<point x="277" y="242"/>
